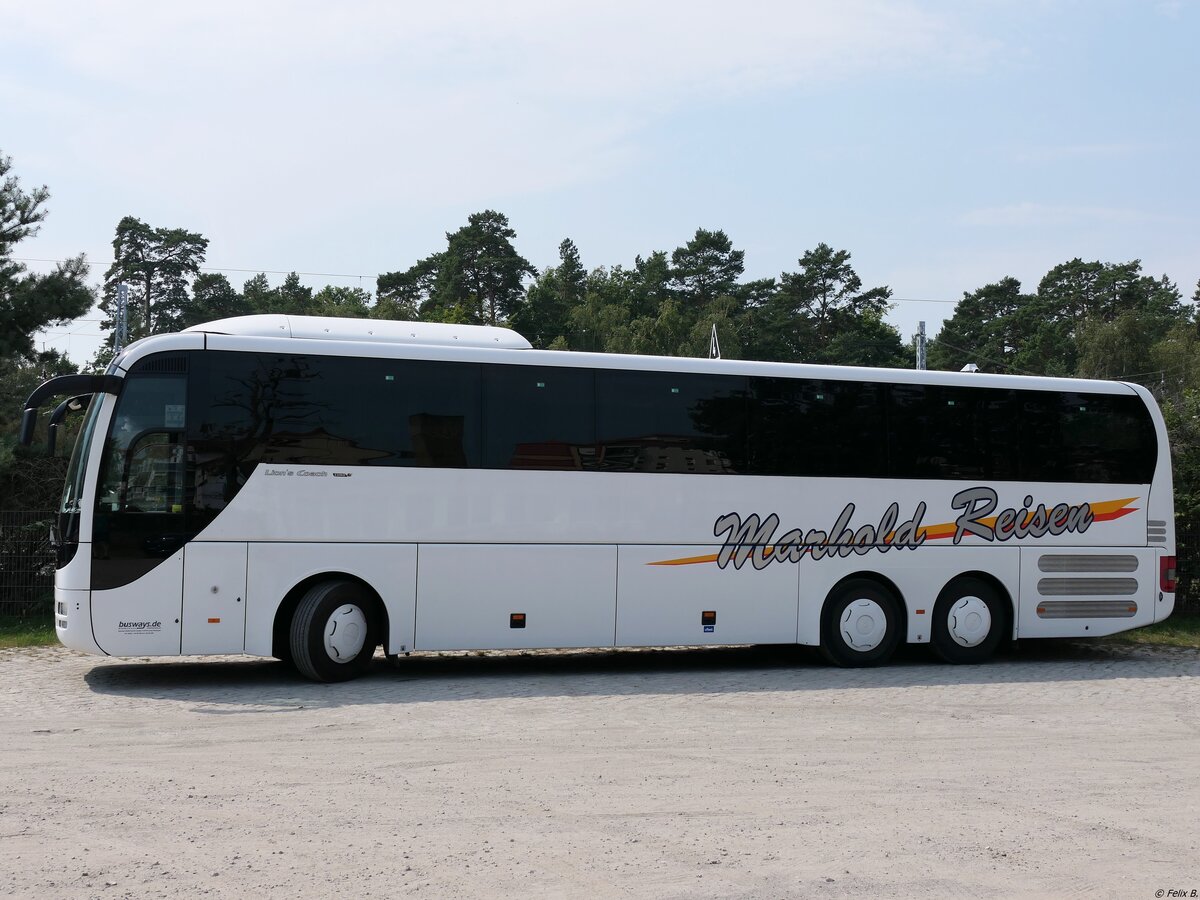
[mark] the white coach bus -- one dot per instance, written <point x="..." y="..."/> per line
<point x="312" y="488"/>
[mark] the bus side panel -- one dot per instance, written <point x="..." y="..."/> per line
<point x="273" y="569"/>
<point x="1086" y="591"/>
<point x="468" y="595"/>
<point x="667" y="604"/>
<point x="919" y="575"/>
<point x="142" y="618"/>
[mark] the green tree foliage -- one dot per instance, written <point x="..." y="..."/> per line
<point x="1089" y="319"/>
<point x="821" y="314"/>
<point x="213" y="297"/>
<point x="258" y="293"/>
<point x="987" y="329"/>
<point x="544" y="315"/>
<point x="344" y="302"/>
<point x="479" y="278"/>
<point x="482" y="270"/>
<point x="291" y="298"/>
<point x="402" y="295"/>
<point x="30" y="302"/>
<point x="157" y="265"/>
<point x="707" y="267"/>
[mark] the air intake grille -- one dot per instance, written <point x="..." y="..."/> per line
<point x="1087" y="587"/>
<point x="165" y="364"/>
<point x="1156" y="531"/>
<point x="1086" y="609"/>
<point x="1077" y="562"/>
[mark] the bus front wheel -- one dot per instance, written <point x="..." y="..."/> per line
<point x="968" y="621"/>
<point x="860" y="624"/>
<point x="334" y="632"/>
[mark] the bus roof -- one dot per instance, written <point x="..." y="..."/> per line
<point x="480" y="343"/>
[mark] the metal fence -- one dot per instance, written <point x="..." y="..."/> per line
<point x="27" y="566"/>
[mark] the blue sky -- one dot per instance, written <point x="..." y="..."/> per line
<point x="946" y="145"/>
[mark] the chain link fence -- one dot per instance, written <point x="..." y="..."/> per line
<point x="27" y="566"/>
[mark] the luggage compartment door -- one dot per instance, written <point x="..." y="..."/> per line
<point x="214" y="598"/>
<point x="509" y="596"/>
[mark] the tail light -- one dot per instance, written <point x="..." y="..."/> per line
<point x="1166" y="574"/>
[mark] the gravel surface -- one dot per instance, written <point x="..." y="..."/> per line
<point x="745" y="772"/>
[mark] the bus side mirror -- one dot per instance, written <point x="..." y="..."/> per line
<point x="28" y="422"/>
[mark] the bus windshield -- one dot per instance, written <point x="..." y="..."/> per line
<point x="73" y="490"/>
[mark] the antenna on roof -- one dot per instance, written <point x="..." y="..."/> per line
<point x="714" y="344"/>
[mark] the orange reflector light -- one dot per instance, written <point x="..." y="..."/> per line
<point x="214" y="621"/>
<point x="920" y="612"/>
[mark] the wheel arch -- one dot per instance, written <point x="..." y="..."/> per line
<point x="287" y="608"/>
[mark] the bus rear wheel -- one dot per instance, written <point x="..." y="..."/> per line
<point x="860" y="624"/>
<point x="968" y="621"/>
<point x="334" y="632"/>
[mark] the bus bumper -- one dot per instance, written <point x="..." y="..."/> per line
<point x="73" y="620"/>
<point x="1164" y="607"/>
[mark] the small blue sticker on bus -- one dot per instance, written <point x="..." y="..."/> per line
<point x="709" y="629"/>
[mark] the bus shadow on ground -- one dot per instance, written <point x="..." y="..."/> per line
<point x="268" y="685"/>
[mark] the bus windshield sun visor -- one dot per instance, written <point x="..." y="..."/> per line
<point x="63" y="384"/>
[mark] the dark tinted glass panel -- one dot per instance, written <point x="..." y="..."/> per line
<point x="139" y="517"/>
<point x="670" y="422"/>
<point x="823" y="428"/>
<point x="436" y="410"/>
<point x="1086" y="437"/>
<point x="539" y="418"/>
<point x="313" y="410"/>
<point x="951" y="432"/>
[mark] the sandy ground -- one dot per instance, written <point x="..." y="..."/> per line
<point x="1056" y="770"/>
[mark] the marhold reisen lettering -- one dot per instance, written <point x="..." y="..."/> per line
<point x="753" y="537"/>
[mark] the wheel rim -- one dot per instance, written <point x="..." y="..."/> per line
<point x="345" y="633"/>
<point x="969" y="621"/>
<point x="864" y="624"/>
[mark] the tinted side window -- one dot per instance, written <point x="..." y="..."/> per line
<point x="436" y="407"/>
<point x="536" y="417"/>
<point x="819" y="428"/>
<point x="670" y="422"/>
<point x="951" y="432"/>
<point x="1086" y="437"/>
<point x="316" y="410"/>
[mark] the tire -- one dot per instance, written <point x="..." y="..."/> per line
<point x="969" y="621"/>
<point x="334" y="632"/>
<point x="860" y="624"/>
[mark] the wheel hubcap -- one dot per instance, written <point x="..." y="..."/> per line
<point x="345" y="633"/>
<point x="969" y="622"/>
<point x="863" y="625"/>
